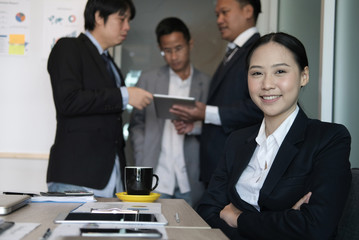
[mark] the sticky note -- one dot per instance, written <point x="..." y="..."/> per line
<point x="17" y="39"/>
<point x="17" y="44"/>
<point x="16" y="49"/>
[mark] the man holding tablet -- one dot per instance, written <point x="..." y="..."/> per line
<point x="174" y="157"/>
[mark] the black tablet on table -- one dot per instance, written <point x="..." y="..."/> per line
<point x="120" y="218"/>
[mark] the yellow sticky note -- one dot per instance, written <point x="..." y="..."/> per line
<point x="16" y="49"/>
<point x="17" y="39"/>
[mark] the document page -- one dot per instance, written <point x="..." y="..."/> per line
<point x="135" y="206"/>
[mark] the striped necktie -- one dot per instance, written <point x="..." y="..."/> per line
<point x="229" y="54"/>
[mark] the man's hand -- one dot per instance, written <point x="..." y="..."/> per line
<point x="183" y="127"/>
<point x="190" y="114"/>
<point x="304" y="199"/>
<point x="230" y="215"/>
<point x="138" y="97"/>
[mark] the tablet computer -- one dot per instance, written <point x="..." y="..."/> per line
<point x="118" y="218"/>
<point x="163" y="103"/>
<point x="120" y="232"/>
<point x="10" y="203"/>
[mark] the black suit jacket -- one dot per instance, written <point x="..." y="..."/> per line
<point x="314" y="157"/>
<point x="228" y="91"/>
<point x="88" y="111"/>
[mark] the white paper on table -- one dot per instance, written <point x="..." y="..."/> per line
<point x="18" y="231"/>
<point x="140" y="206"/>
<point x="66" y="230"/>
<point x="66" y="199"/>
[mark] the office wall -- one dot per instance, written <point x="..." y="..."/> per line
<point x="302" y="19"/>
<point x="23" y="175"/>
<point x="27" y="114"/>
<point x="27" y="122"/>
<point x="346" y="80"/>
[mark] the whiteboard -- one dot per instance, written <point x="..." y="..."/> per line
<point x="27" y="112"/>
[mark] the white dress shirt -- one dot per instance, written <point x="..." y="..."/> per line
<point x="254" y="175"/>
<point x="171" y="168"/>
<point x="212" y="113"/>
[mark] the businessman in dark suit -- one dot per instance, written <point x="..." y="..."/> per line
<point x="228" y="105"/>
<point x="89" y="95"/>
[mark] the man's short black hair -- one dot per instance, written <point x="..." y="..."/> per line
<point x="170" y="25"/>
<point x="256" y="4"/>
<point x="106" y="8"/>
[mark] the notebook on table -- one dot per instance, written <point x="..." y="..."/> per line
<point x="9" y="203"/>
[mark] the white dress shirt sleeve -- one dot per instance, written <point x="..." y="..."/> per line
<point x="125" y="97"/>
<point x="197" y="128"/>
<point x="212" y="115"/>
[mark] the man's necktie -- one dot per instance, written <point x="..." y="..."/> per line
<point x="107" y="61"/>
<point x="229" y="54"/>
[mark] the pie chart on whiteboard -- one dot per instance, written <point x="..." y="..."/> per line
<point x="20" y="17"/>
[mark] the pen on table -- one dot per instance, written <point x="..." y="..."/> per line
<point x="177" y="217"/>
<point x="5" y="225"/>
<point x="46" y="234"/>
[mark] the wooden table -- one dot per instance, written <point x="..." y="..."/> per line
<point x="191" y="225"/>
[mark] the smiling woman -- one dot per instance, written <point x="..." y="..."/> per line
<point x="274" y="82"/>
<point x="288" y="176"/>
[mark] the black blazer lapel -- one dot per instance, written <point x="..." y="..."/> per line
<point x="285" y="155"/>
<point x="97" y="59"/>
<point x="220" y="73"/>
<point x="241" y="53"/>
<point x="223" y="69"/>
<point x="244" y="155"/>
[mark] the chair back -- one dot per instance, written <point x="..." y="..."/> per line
<point x="348" y="228"/>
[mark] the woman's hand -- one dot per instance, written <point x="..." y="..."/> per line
<point x="230" y="215"/>
<point x="304" y="199"/>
